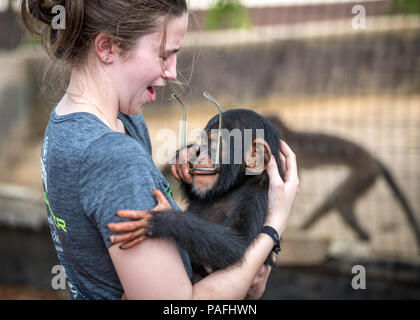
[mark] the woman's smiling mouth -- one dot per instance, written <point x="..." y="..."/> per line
<point x="152" y="93"/>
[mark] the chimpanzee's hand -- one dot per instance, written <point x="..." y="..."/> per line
<point x="181" y="169"/>
<point x="282" y="194"/>
<point x="135" y="231"/>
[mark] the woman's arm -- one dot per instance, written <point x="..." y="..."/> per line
<point x="154" y="269"/>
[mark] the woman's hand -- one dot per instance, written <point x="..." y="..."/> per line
<point x="282" y="194"/>
<point x="135" y="231"/>
<point x="257" y="288"/>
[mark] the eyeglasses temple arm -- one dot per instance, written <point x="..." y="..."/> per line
<point x="219" y="135"/>
<point x="184" y="124"/>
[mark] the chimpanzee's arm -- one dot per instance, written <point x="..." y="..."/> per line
<point x="207" y="243"/>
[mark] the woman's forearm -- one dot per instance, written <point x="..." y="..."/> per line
<point x="233" y="283"/>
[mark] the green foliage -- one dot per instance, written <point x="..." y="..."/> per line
<point x="227" y="14"/>
<point x="405" y="7"/>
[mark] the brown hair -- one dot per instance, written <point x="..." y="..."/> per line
<point x="125" y="21"/>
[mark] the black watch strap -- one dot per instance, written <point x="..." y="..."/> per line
<point x="274" y="235"/>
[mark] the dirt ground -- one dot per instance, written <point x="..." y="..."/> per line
<point x="27" y="293"/>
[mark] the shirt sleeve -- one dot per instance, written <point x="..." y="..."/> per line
<point x="114" y="175"/>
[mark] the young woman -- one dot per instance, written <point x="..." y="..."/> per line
<point x="96" y="155"/>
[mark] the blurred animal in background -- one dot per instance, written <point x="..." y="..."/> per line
<point x="317" y="149"/>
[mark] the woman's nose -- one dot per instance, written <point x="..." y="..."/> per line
<point x="169" y="71"/>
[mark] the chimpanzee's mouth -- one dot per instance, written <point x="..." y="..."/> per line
<point x="203" y="169"/>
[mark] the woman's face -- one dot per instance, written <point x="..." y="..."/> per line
<point x="146" y="69"/>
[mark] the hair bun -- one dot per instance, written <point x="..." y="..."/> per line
<point x="42" y="9"/>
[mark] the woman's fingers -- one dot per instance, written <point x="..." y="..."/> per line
<point x="282" y="194"/>
<point x="273" y="173"/>
<point x="291" y="165"/>
<point x="208" y="269"/>
<point x="282" y="163"/>
<point x="273" y="257"/>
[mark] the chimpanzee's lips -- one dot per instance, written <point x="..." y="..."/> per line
<point x="152" y="93"/>
<point x="196" y="170"/>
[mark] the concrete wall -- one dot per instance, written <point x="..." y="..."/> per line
<point x="10" y="30"/>
<point x="15" y="90"/>
<point x="358" y="63"/>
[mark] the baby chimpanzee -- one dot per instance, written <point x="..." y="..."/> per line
<point x="227" y="207"/>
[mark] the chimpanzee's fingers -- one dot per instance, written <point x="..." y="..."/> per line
<point x="185" y="168"/>
<point x="139" y="234"/>
<point x="132" y="243"/>
<point x="128" y="235"/>
<point x="133" y="214"/>
<point x="291" y="165"/>
<point x="182" y="166"/>
<point x="127" y="226"/>
<point x="121" y="237"/>
<point x="273" y="173"/>
<point x="179" y="172"/>
<point x="163" y="203"/>
<point x="175" y="173"/>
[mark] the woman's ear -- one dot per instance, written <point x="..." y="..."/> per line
<point x="257" y="157"/>
<point x="105" y="48"/>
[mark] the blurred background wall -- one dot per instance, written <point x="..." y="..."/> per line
<point x="315" y="65"/>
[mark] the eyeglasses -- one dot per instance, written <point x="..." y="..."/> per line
<point x="216" y="168"/>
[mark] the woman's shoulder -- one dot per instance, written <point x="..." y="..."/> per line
<point x="84" y="137"/>
<point x="115" y="146"/>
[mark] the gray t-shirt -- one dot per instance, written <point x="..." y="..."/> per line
<point x="89" y="172"/>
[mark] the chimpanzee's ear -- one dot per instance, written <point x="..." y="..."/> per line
<point x="257" y="157"/>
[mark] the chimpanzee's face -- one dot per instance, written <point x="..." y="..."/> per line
<point x="204" y="181"/>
